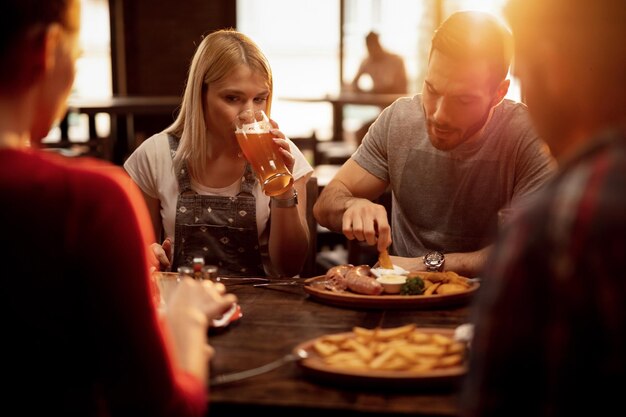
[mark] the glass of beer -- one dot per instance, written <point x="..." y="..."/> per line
<point x="252" y="130"/>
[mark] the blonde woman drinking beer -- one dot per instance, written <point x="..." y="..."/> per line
<point x="202" y="193"/>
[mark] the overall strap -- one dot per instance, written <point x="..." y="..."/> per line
<point x="184" y="182"/>
<point x="249" y="179"/>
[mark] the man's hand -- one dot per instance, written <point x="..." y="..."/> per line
<point x="366" y="221"/>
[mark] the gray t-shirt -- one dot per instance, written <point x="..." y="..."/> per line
<point x="449" y="200"/>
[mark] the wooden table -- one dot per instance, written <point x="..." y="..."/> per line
<point x="346" y="98"/>
<point x="275" y="320"/>
<point x="120" y="108"/>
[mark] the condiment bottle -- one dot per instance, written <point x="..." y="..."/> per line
<point x="184" y="271"/>
<point x="209" y="272"/>
<point x="198" y="264"/>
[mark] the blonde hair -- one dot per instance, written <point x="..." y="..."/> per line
<point x="216" y="56"/>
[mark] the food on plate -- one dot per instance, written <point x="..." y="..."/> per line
<point x="336" y="277"/>
<point x="442" y="283"/>
<point x="364" y="280"/>
<point x="450" y="288"/>
<point x="403" y="348"/>
<point x="360" y="280"/>
<point x="357" y="279"/>
<point x="384" y="260"/>
<point x="391" y="283"/>
<point x="396" y="270"/>
<point x="412" y="286"/>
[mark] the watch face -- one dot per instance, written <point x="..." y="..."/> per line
<point x="433" y="260"/>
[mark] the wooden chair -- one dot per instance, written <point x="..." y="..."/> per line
<point x="309" y="269"/>
<point x="308" y="146"/>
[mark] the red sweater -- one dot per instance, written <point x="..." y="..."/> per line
<point x="81" y="334"/>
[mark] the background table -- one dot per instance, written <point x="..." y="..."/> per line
<point x="275" y="320"/>
<point x="347" y="98"/>
<point x="122" y="111"/>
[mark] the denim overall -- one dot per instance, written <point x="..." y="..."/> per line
<point x="221" y="230"/>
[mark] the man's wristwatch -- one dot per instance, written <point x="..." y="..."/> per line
<point x="285" y="202"/>
<point x="434" y="261"/>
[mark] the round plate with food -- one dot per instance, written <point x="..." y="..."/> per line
<point x="350" y="286"/>
<point x="405" y="356"/>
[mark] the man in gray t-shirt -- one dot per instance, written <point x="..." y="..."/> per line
<point x="453" y="156"/>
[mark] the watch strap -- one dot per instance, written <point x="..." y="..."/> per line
<point x="285" y="202"/>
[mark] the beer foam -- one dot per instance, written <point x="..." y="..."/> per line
<point x="254" y="127"/>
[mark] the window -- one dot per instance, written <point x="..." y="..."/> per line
<point x="302" y="39"/>
<point x="93" y="68"/>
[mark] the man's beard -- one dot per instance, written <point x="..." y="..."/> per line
<point x="466" y="135"/>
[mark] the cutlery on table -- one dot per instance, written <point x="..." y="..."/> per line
<point x="240" y="280"/>
<point x="270" y="366"/>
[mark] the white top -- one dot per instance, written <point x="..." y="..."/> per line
<point x="152" y="169"/>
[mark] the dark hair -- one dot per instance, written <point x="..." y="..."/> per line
<point x="18" y="20"/>
<point x="476" y="35"/>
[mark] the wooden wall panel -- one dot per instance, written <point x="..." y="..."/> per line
<point x="152" y="43"/>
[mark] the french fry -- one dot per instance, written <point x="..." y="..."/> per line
<point x="447" y="288"/>
<point x="419" y="337"/>
<point x="423" y="367"/>
<point x="324" y="349"/>
<point x="450" y="360"/>
<point x="394" y="331"/>
<point x="361" y="331"/>
<point x="429" y="350"/>
<point x="384" y="260"/>
<point x="379" y="360"/>
<point x="361" y="350"/>
<point x="456" y="347"/>
<point x="441" y="340"/>
<point x="431" y="290"/>
<point x="396" y="363"/>
<point x="454" y="278"/>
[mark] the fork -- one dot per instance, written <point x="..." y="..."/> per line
<point x="236" y="280"/>
<point x="267" y="284"/>
<point x="270" y="366"/>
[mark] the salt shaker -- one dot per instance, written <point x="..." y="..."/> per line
<point x="209" y="272"/>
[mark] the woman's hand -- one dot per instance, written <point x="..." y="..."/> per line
<point x="162" y="254"/>
<point x="188" y="313"/>
<point x="285" y="151"/>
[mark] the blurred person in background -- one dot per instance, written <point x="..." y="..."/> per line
<point x="197" y="183"/>
<point x="386" y="72"/>
<point x="453" y="156"/>
<point x="81" y="332"/>
<point x="550" y="318"/>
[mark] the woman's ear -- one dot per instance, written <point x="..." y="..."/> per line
<point x="39" y="54"/>
<point x="51" y="43"/>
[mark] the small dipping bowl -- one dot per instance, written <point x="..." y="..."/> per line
<point x="392" y="283"/>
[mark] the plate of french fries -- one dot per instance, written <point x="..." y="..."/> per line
<point x="409" y="355"/>
<point x="443" y="289"/>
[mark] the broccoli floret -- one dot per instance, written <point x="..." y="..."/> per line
<point x="412" y="286"/>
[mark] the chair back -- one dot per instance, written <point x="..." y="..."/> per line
<point x="309" y="269"/>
